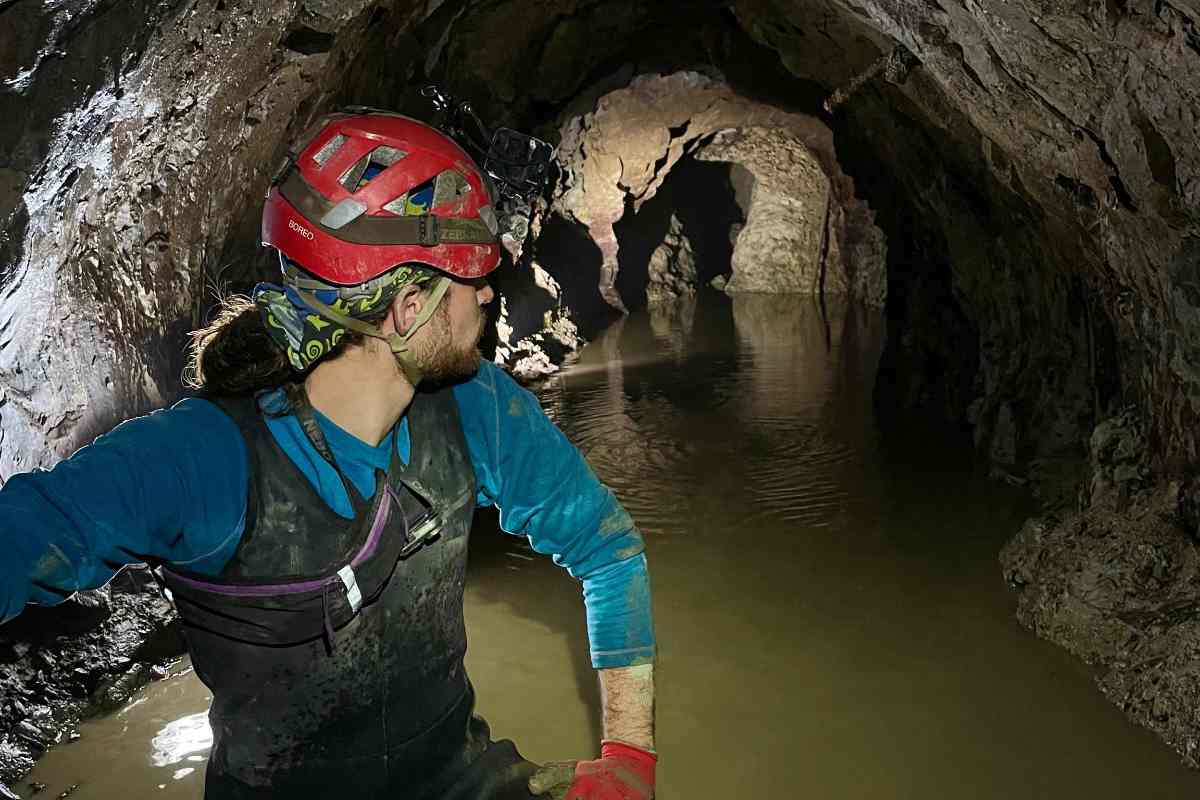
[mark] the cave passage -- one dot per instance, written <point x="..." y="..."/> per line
<point x="827" y="602"/>
<point x="702" y="198"/>
<point x="1012" y="189"/>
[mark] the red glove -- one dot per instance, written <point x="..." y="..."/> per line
<point x="623" y="772"/>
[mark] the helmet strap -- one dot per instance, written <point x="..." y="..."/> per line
<point x="398" y="343"/>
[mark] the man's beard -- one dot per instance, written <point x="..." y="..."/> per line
<point x="444" y="361"/>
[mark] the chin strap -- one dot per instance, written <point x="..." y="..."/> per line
<point x="399" y="343"/>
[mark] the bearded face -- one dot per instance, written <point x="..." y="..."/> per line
<point x="447" y="353"/>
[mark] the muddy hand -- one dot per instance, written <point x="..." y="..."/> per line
<point x="553" y="780"/>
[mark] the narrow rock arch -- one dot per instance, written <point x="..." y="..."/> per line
<point x="622" y="151"/>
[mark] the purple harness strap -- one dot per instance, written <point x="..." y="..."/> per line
<point x="267" y="590"/>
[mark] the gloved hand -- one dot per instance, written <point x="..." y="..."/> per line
<point x="623" y="772"/>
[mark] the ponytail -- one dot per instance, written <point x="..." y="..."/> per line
<point x="234" y="354"/>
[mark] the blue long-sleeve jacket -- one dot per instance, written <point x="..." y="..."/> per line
<point x="171" y="486"/>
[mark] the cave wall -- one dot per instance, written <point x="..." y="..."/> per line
<point x="176" y="145"/>
<point x="1037" y="177"/>
<point x="801" y="234"/>
<point x="116" y="234"/>
<point x="1065" y="200"/>
<point x="1052" y="215"/>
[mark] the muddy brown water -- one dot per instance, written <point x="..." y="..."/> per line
<point x="831" y="616"/>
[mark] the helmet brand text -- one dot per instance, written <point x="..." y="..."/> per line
<point x="300" y="229"/>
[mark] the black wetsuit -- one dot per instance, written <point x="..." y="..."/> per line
<point x="363" y="703"/>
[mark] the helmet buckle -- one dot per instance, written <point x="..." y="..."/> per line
<point x="429" y="230"/>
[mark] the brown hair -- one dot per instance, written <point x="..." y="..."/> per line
<point x="234" y="354"/>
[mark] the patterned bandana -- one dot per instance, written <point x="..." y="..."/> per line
<point x="302" y="332"/>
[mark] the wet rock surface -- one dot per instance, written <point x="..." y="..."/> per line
<point x="1034" y="184"/>
<point x="1118" y="584"/>
<point x="672" y="269"/>
<point x="86" y="656"/>
<point x="535" y="335"/>
<point x="132" y="191"/>
<point x="623" y="150"/>
<point x="800" y="235"/>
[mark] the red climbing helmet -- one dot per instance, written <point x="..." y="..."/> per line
<point x="367" y="191"/>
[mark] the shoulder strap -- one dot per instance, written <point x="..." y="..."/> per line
<point x="302" y="408"/>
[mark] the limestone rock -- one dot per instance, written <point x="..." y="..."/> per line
<point x="624" y="149"/>
<point x="532" y="350"/>
<point x="1119" y="469"/>
<point x="1119" y="589"/>
<point x="53" y="659"/>
<point x="796" y="237"/>
<point x="169" y="134"/>
<point x="783" y="246"/>
<point x="672" y="271"/>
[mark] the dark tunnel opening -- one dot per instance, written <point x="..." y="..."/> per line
<point x="710" y="201"/>
<point x="569" y="255"/>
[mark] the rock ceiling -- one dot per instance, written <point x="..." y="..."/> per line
<point x="1035" y="171"/>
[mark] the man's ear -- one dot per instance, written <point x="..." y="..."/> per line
<point x="405" y="308"/>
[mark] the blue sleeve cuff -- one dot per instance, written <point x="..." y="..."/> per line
<point x="619" y="619"/>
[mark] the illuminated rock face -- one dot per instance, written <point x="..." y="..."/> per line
<point x="1033" y="186"/>
<point x="801" y="236"/>
<point x="624" y="149"/>
<point x="168" y="121"/>
<point x="672" y="270"/>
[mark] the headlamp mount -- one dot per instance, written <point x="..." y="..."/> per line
<point x="517" y="164"/>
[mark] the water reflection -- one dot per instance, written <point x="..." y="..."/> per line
<point x="829" y="608"/>
<point x="180" y="739"/>
<point x="767" y="379"/>
<point x="811" y="441"/>
<point x="629" y="449"/>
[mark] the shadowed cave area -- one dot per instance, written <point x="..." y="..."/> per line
<point x="1015" y="188"/>
<point x="702" y="207"/>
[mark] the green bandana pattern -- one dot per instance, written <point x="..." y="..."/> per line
<point x="303" y="333"/>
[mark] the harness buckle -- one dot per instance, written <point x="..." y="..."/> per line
<point x="426" y="530"/>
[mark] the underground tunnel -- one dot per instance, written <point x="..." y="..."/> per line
<point x="881" y="318"/>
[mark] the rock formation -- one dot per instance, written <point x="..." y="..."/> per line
<point x="119" y="204"/>
<point x="624" y="149"/>
<point x="1033" y="166"/>
<point x="554" y="334"/>
<point x="672" y="272"/>
<point x="1118" y="584"/>
<point x="800" y="236"/>
<point x="61" y="664"/>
